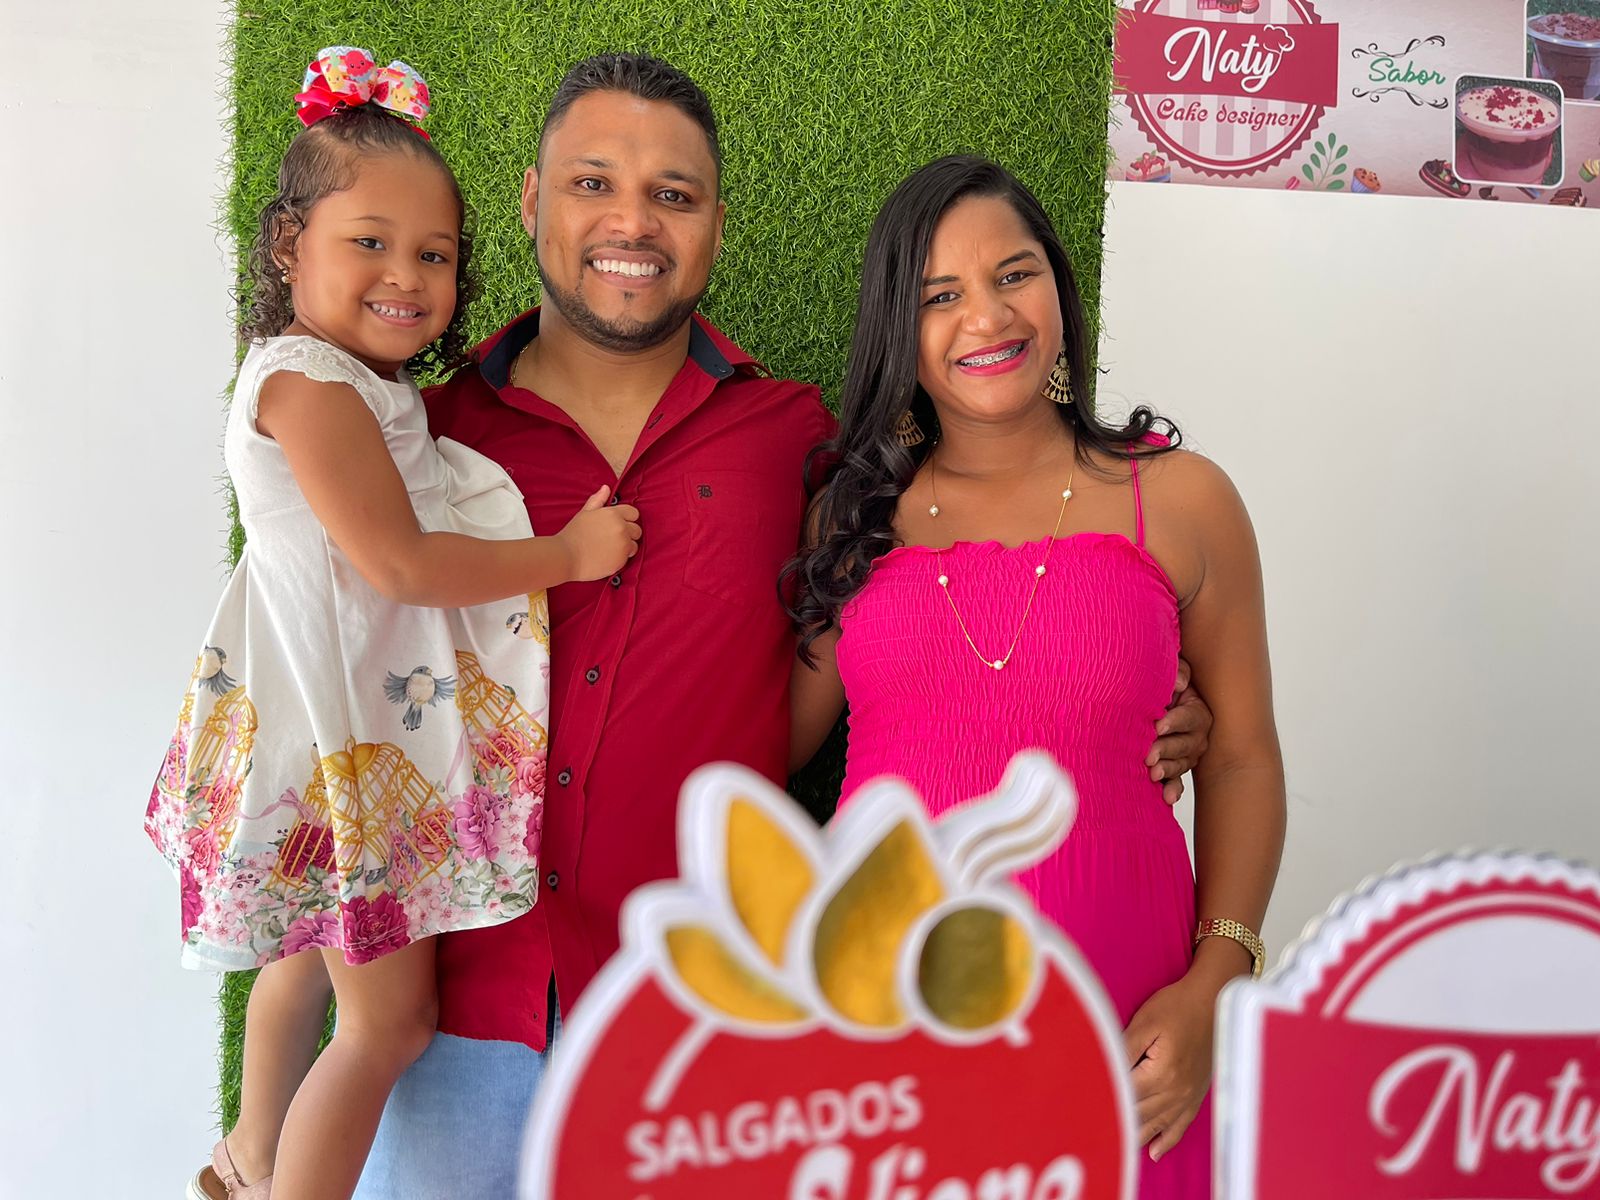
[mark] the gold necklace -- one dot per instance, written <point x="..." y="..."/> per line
<point x="998" y="664"/>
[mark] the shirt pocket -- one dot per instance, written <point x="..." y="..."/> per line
<point x="737" y="542"/>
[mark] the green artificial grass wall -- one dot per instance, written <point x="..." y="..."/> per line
<point x="822" y="106"/>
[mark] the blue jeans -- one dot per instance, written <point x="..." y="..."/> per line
<point x="452" y="1129"/>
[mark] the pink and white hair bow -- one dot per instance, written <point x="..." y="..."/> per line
<point x="347" y="76"/>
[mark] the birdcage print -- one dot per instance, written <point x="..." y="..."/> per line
<point x="502" y="731"/>
<point x="219" y="759"/>
<point x="175" y="769"/>
<point x="420" y="850"/>
<point x="309" y="842"/>
<point x="376" y="796"/>
<point x="539" y="613"/>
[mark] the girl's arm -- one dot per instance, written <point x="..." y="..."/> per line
<point x="816" y="698"/>
<point x="336" y="450"/>
<point x="1239" y="794"/>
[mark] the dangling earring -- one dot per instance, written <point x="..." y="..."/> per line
<point x="908" y="433"/>
<point x="1058" y="384"/>
<point x="284" y="277"/>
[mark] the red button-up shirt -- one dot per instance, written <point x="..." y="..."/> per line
<point x="680" y="659"/>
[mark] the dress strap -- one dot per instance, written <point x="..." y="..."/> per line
<point x="1150" y="439"/>
<point x="1138" y="502"/>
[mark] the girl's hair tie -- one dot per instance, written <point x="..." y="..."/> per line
<point x="348" y="76"/>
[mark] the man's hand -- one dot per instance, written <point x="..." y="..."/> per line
<point x="1182" y="735"/>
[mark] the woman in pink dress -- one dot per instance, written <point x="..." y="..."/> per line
<point x="992" y="568"/>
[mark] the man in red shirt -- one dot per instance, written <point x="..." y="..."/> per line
<point x="681" y="658"/>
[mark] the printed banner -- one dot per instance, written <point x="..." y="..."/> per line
<point x="1437" y="1035"/>
<point x="868" y="1012"/>
<point x="1465" y="99"/>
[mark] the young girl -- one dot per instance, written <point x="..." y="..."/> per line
<point x="359" y="761"/>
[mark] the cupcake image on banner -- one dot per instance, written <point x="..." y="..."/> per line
<point x="1508" y="131"/>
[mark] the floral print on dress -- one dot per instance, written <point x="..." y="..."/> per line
<point x="371" y="855"/>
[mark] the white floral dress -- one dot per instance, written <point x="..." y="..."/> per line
<point x="348" y="771"/>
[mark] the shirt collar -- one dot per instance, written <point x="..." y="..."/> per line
<point x="709" y="350"/>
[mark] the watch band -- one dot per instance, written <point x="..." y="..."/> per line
<point x="1239" y="932"/>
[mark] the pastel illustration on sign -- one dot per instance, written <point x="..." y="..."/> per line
<point x="1324" y="169"/>
<point x="1442" y="1024"/>
<point x="803" y="1013"/>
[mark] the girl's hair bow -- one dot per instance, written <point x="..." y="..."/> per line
<point x="347" y="76"/>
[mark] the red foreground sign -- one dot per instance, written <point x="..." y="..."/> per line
<point x="1437" y="1035"/>
<point x="864" y="1013"/>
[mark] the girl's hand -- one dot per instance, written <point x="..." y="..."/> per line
<point x="601" y="537"/>
<point x="1169" y="1043"/>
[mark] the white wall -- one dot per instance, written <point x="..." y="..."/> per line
<point x="1421" y="492"/>
<point x="114" y="349"/>
<point x="1403" y="391"/>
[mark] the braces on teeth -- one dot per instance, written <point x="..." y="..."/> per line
<point x="985" y="360"/>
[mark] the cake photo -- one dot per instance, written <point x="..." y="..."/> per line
<point x="1506" y="133"/>
<point x="1566" y="49"/>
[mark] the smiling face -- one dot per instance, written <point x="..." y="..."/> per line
<point x="625" y="219"/>
<point x="990" y="320"/>
<point x="374" y="269"/>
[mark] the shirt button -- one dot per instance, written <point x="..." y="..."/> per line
<point x="592" y="674"/>
<point x="565" y="777"/>
<point x="616" y="581"/>
<point x="553" y="880"/>
<point x="615" y="499"/>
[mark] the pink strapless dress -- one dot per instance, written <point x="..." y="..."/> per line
<point x="1091" y="675"/>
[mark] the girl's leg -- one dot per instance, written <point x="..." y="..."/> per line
<point x="387" y="1013"/>
<point x="282" y="1025"/>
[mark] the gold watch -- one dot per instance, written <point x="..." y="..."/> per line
<point x="1240" y="933"/>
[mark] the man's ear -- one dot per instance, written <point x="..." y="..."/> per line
<point x="530" y="201"/>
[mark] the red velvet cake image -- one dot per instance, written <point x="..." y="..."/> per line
<point x="1566" y="49"/>
<point x="1508" y="133"/>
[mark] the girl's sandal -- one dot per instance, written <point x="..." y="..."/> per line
<point x="220" y="1181"/>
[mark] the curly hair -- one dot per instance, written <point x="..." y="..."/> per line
<point x="867" y="468"/>
<point x="321" y="160"/>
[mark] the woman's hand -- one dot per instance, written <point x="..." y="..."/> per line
<point x="1169" y="1044"/>
<point x="1182" y="735"/>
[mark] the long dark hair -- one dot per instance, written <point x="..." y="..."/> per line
<point x="324" y="159"/>
<point x="852" y="515"/>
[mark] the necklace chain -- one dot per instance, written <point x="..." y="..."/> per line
<point x="997" y="664"/>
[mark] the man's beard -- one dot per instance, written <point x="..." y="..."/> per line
<point x="624" y="336"/>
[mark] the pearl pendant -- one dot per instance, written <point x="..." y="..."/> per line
<point x="944" y="581"/>
<point x="1039" y="570"/>
<point x="998" y="664"/>
<point x="1066" y="494"/>
<point x="933" y="510"/>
